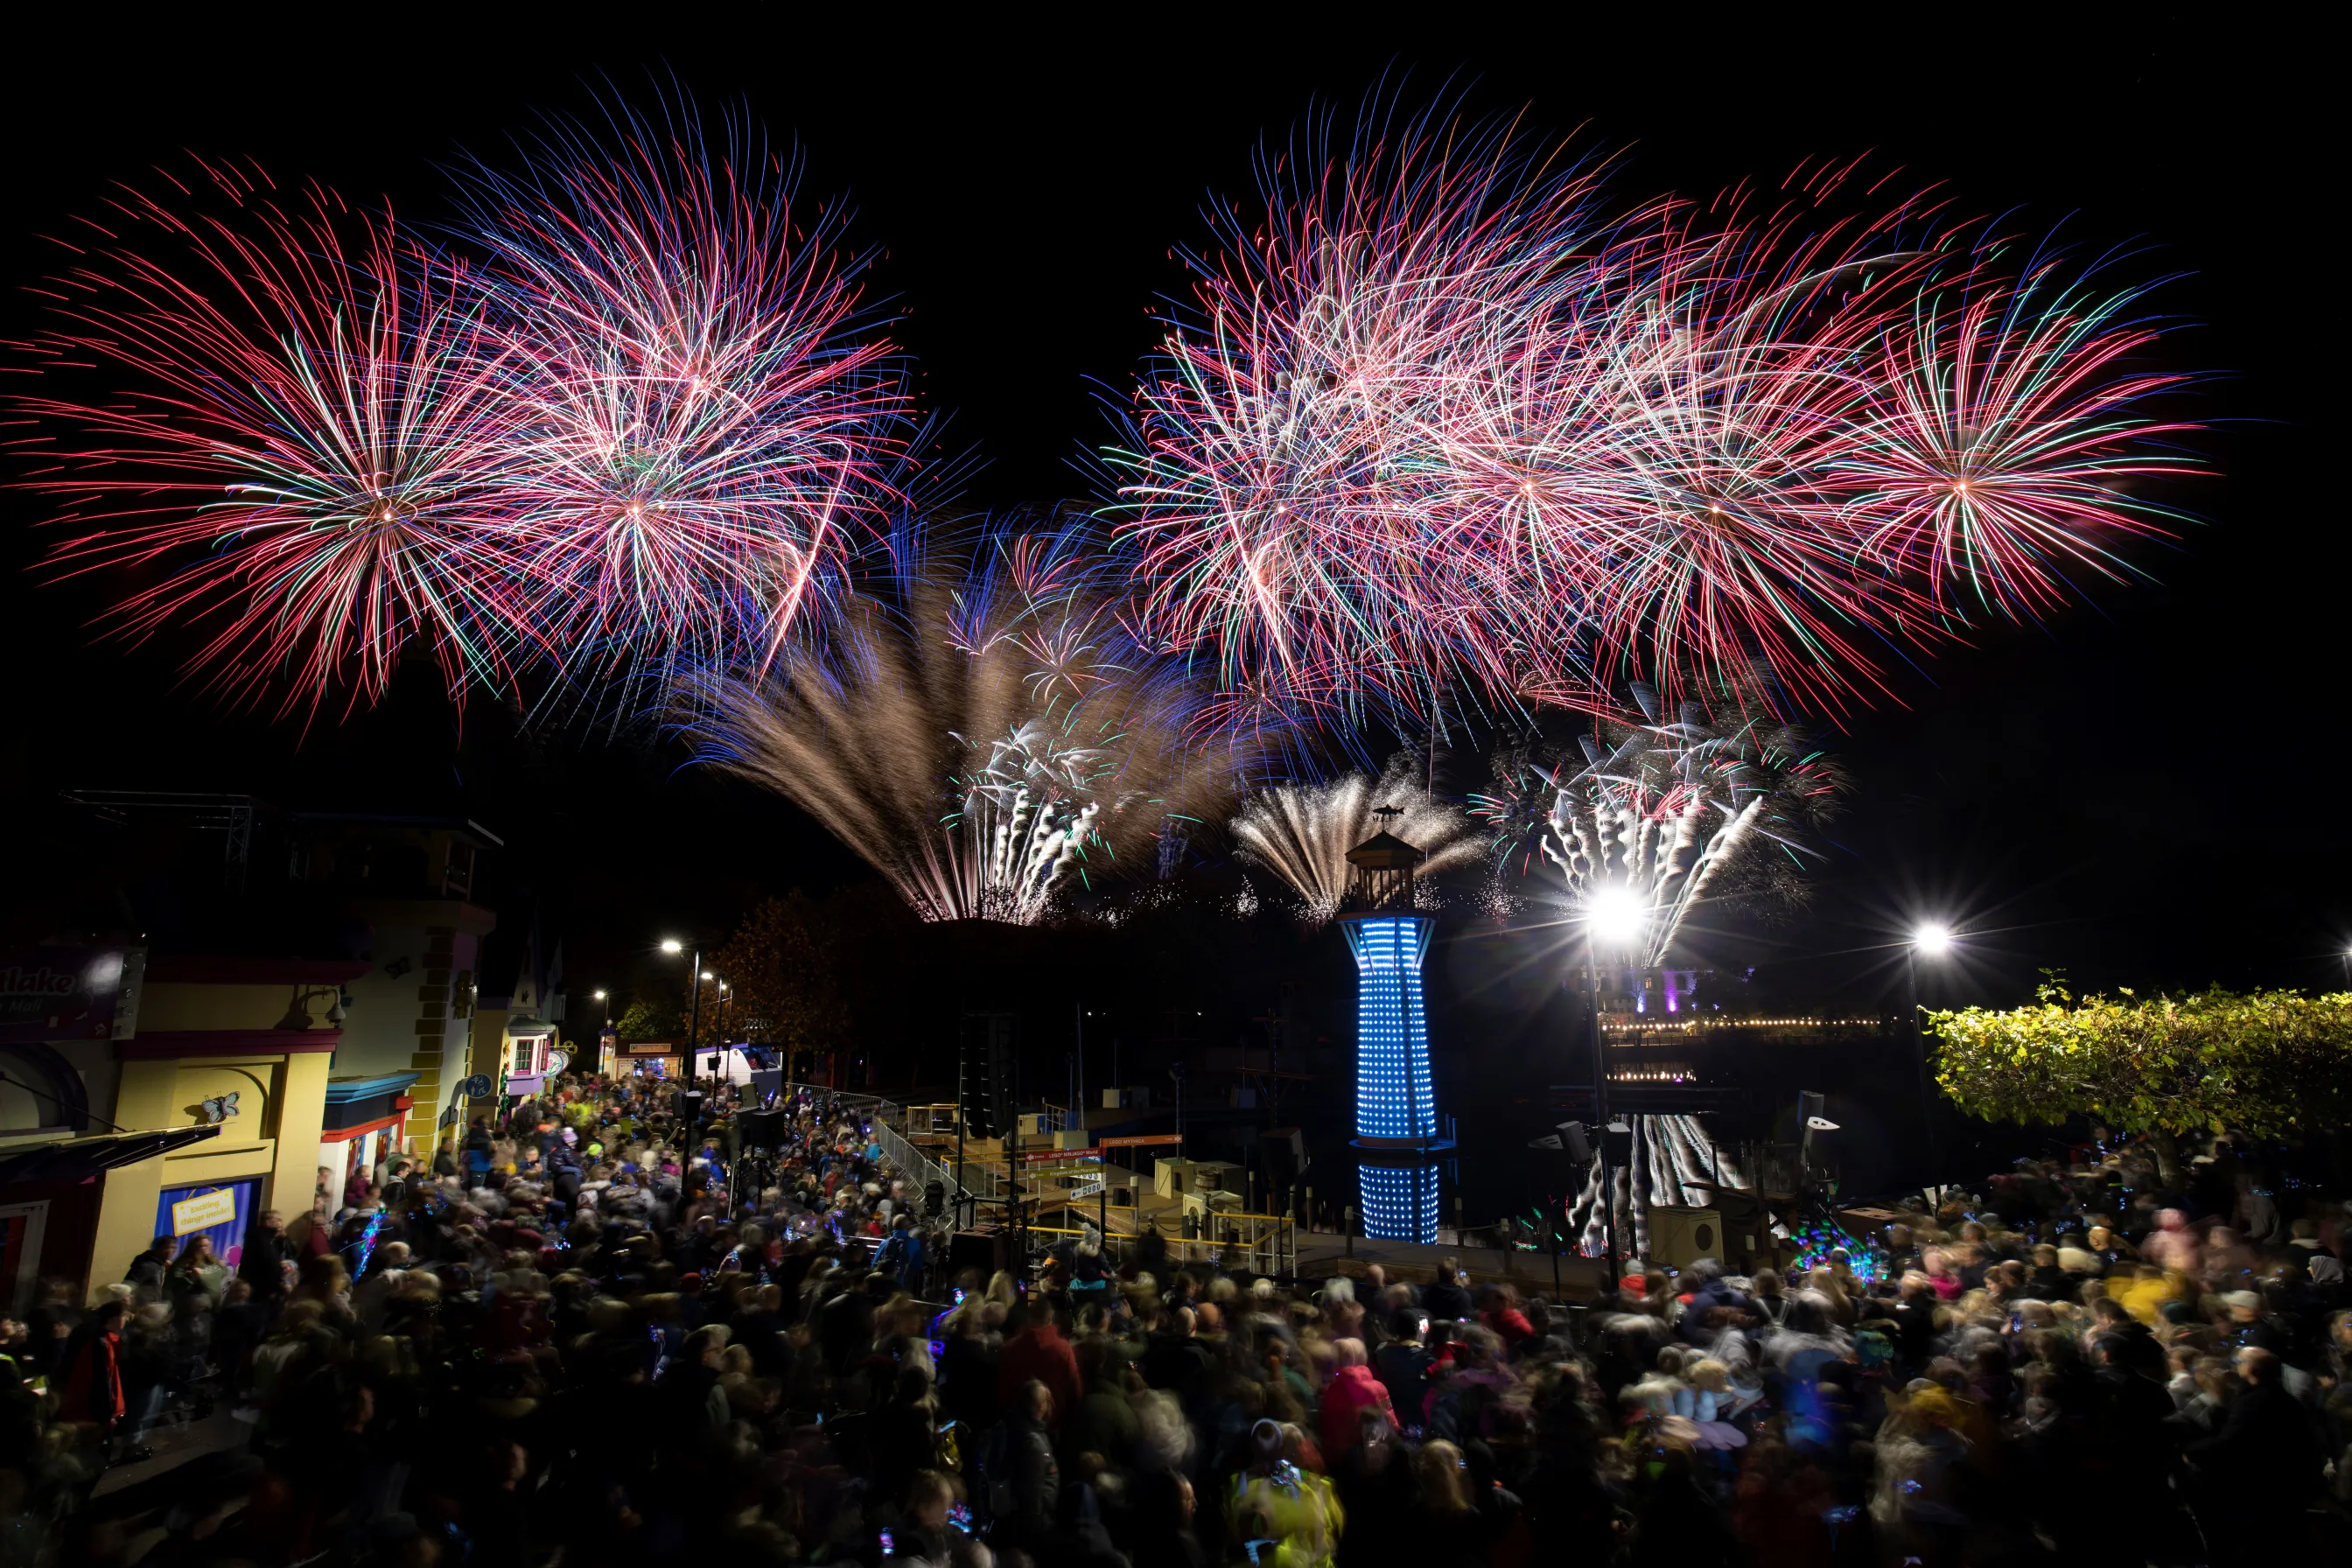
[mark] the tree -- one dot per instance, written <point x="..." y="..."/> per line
<point x="644" y="1020"/>
<point x="783" y="968"/>
<point x="2271" y="1063"/>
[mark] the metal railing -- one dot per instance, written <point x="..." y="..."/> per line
<point x="889" y="1119"/>
<point x="978" y="1179"/>
<point x="1265" y="1244"/>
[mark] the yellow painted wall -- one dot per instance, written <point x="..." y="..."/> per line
<point x="165" y="1005"/>
<point x="294" y="1181"/>
<point x="275" y="1135"/>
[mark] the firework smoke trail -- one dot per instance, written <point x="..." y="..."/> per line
<point x="1435" y="435"/>
<point x="309" y="447"/>
<point x="1302" y="832"/>
<point x="701" y="421"/>
<point x="977" y="726"/>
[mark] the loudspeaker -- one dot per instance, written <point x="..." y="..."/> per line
<point x="1285" y="1150"/>
<point x="1680" y="1237"/>
<point x="985" y="1248"/>
<point x="1572" y="1139"/>
<point x="1811" y="1106"/>
<point x="689" y="1106"/>
<point x="935" y="1198"/>
<point x="983" y="1054"/>
<point x="762" y="1129"/>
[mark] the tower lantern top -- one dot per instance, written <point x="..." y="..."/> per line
<point x="1384" y="865"/>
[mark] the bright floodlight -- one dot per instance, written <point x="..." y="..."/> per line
<point x="1614" y="915"/>
<point x="672" y="945"/>
<point x="600" y="995"/>
<point x="1932" y="938"/>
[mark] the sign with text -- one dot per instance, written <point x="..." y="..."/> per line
<point x="1041" y="1156"/>
<point x="1147" y="1140"/>
<point x="204" y="1211"/>
<point x="60" y="993"/>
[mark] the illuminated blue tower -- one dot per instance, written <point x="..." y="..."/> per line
<point x="1396" y="1106"/>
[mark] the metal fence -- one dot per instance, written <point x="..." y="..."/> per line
<point x="889" y="1120"/>
<point x="1265" y="1244"/>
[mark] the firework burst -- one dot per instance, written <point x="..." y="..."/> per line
<point x="699" y="420"/>
<point x="1435" y="437"/>
<point x="1285" y="454"/>
<point x="305" y="455"/>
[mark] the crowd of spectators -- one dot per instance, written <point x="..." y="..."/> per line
<point x="584" y="1333"/>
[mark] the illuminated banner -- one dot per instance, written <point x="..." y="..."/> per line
<point x="1147" y="1140"/>
<point x="60" y="992"/>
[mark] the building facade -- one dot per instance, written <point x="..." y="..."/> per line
<point x="403" y="886"/>
<point x="195" y="1105"/>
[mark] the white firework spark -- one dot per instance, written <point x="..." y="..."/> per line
<point x="1673" y="812"/>
<point x="1302" y="832"/>
<point x="981" y="731"/>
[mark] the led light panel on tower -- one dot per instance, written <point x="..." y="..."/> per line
<point x="1401" y="1202"/>
<point x="1393" y="1095"/>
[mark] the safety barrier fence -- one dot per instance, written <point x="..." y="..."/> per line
<point x="1264" y="1243"/>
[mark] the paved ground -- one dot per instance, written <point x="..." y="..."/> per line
<point x="174" y="1445"/>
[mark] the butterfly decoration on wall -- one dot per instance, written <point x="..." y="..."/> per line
<point x="217" y="1110"/>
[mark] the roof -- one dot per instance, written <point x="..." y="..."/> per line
<point x="342" y="1090"/>
<point x="1384" y="851"/>
<point x="77" y="1158"/>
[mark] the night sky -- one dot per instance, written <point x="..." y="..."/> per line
<point x="2147" y="791"/>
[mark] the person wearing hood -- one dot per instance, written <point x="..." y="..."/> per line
<point x="1352" y="1391"/>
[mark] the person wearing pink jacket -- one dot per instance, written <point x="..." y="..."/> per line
<point x="1351" y="1391"/>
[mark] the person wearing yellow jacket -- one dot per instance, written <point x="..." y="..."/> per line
<point x="1274" y="1499"/>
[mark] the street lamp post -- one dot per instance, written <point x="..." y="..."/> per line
<point x="1612" y="916"/>
<point x="1934" y="940"/>
<point x="694" y="1006"/>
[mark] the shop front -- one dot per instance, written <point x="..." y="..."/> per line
<point x="529" y="1060"/>
<point x="361" y="1129"/>
<point x="223" y="1075"/>
<point x="218" y="1211"/>
<point x="259" y="1092"/>
<point x="650" y="1058"/>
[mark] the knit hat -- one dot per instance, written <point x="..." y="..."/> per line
<point x="2241" y="1300"/>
